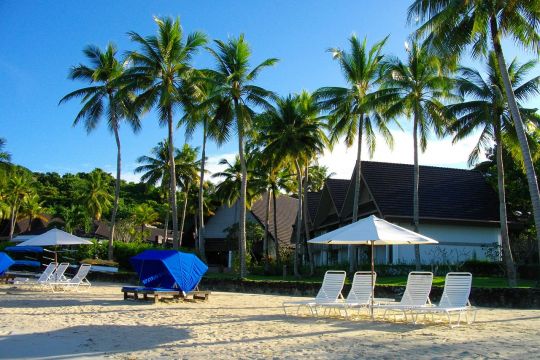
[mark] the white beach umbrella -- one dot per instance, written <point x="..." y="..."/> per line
<point x="55" y="237"/>
<point x="372" y="231"/>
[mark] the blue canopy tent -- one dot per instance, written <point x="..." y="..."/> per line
<point x="5" y="262"/>
<point x="169" y="269"/>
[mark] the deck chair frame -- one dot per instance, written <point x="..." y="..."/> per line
<point x="330" y="292"/>
<point x="454" y="300"/>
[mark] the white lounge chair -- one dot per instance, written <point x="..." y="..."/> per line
<point x="455" y="299"/>
<point x="330" y="292"/>
<point x="78" y="280"/>
<point x="416" y="294"/>
<point x="45" y="276"/>
<point x="359" y="296"/>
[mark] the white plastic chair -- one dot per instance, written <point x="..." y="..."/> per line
<point x="43" y="278"/>
<point x="455" y="299"/>
<point x="330" y="292"/>
<point x="359" y="296"/>
<point x="416" y="294"/>
<point x="78" y="280"/>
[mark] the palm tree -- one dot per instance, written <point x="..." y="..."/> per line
<point x="32" y="208"/>
<point x="200" y="111"/>
<point x="228" y="190"/>
<point x="487" y="111"/>
<point x="452" y="26"/>
<point x="155" y="169"/>
<point x="235" y="95"/>
<point x="76" y="216"/>
<point x="5" y="157"/>
<point x="161" y="70"/>
<point x="418" y="86"/>
<point x="354" y="109"/>
<point x="19" y="187"/>
<point x="187" y="167"/>
<point x="293" y="132"/>
<point x="96" y="195"/>
<point x="144" y="214"/>
<point x="106" y="97"/>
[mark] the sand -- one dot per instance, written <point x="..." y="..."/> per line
<point x="100" y="324"/>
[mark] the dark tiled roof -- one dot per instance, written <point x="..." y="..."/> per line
<point x="444" y="193"/>
<point x="313" y="199"/>
<point x="338" y="191"/>
<point x="287" y="208"/>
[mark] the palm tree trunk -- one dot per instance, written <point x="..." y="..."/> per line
<point x="172" y="176"/>
<point x="507" y="250"/>
<point x="166" y="227"/>
<point x="356" y="200"/>
<point x="298" y="220"/>
<point x="520" y="131"/>
<point x="200" y="232"/>
<point x="184" y="214"/>
<point x="416" y="184"/>
<point x="12" y="220"/>
<point x="266" y="233"/>
<point x="274" y="203"/>
<point x="306" y="220"/>
<point x="243" y="187"/>
<point x="116" y="191"/>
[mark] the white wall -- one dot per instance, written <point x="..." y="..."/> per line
<point x="456" y="243"/>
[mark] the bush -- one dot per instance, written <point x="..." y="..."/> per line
<point x="99" y="262"/>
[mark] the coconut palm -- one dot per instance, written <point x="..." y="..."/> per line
<point x="106" y="97"/>
<point x="293" y="132"/>
<point x="354" y="109"/>
<point x="5" y="157"/>
<point x="161" y="69"/>
<point x="19" y="187"/>
<point x="487" y="111"/>
<point x="144" y="214"/>
<point x="235" y="97"/>
<point x="155" y="169"/>
<point x="32" y="208"/>
<point x="95" y="194"/>
<point x="200" y="111"/>
<point x="453" y="26"/>
<point x="418" y="86"/>
<point x="187" y="170"/>
<point x="228" y="190"/>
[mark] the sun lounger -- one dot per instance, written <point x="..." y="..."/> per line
<point x="78" y="280"/>
<point x="359" y="296"/>
<point x="416" y="294"/>
<point x="455" y="299"/>
<point x="52" y="272"/>
<point x="330" y="292"/>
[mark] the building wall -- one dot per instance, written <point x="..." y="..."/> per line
<point x="456" y="243"/>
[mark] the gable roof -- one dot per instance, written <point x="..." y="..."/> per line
<point x="338" y="191"/>
<point x="287" y="208"/>
<point x="444" y="193"/>
<point x="313" y="198"/>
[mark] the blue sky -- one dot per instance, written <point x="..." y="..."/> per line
<point x="42" y="39"/>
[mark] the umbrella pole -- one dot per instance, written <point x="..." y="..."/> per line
<point x="372" y="284"/>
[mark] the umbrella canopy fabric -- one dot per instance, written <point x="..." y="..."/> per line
<point x="5" y="262"/>
<point x="55" y="237"/>
<point x="169" y="269"/>
<point x="372" y="231"/>
<point x="22" y="249"/>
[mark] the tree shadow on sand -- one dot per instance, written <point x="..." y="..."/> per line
<point x="88" y="340"/>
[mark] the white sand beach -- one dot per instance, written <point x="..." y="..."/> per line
<point x="100" y="324"/>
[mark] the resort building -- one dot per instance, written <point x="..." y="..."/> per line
<point x="457" y="207"/>
<point x="219" y="248"/>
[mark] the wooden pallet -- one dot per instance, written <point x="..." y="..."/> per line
<point x="147" y="294"/>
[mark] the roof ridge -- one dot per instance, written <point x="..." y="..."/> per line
<point x="424" y="166"/>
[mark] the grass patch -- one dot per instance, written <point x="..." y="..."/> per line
<point x="480" y="282"/>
